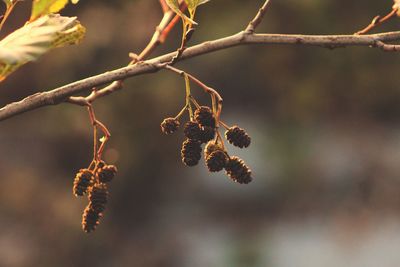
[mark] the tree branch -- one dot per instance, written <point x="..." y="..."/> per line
<point x="62" y="93"/>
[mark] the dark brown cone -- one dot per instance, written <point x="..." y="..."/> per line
<point x="191" y="152"/>
<point x="204" y="116"/>
<point x="98" y="197"/>
<point x="90" y="219"/>
<point x="207" y="134"/>
<point x="237" y="170"/>
<point x="237" y="137"/>
<point x="210" y="148"/>
<point x="192" y="130"/>
<point x="169" y="125"/>
<point x="83" y="180"/>
<point x="106" y="173"/>
<point x="217" y="161"/>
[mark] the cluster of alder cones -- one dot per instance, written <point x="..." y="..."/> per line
<point x="93" y="183"/>
<point x="202" y="129"/>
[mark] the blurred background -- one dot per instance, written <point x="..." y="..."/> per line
<point x="325" y="153"/>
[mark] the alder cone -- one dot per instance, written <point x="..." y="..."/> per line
<point x="238" y="171"/>
<point x="106" y="173"/>
<point x="217" y="161"/>
<point x="192" y="130"/>
<point x="204" y="116"/>
<point x="210" y="148"/>
<point x="169" y="125"/>
<point x="238" y="137"/>
<point x="191" y="152"/>
<point x="207" y="134"/>
<point x="98" y="197"/>
<point x="90" y="219"/>
<point x="83" y="180"/>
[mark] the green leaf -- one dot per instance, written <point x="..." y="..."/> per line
<point x="37" y="38"/>
<point x="44" y="7"/>
<point x="174" y="5"/>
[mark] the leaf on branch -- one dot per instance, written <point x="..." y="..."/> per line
<point x="37" y="38"/>
<point x="45" y="7"/>
<point x="193" y="4"/>
<point x="174" y="5"/>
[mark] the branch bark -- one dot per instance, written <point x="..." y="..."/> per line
<point x="61" y="94"/>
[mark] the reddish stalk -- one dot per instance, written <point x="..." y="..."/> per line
<point x="376" y="21"/>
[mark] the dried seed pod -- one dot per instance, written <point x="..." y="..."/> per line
<point x="217" y="161"/>
<point x="205" y="116"/>
<point x="237" y="137"/>
<point x="210" y="148"/>
<point x="83" y="180"/>
<point x="106" y="173"/>
<point x="207" y="134"/>
<point x="238" y="171"/>
<point x="98" y="196"/>
<point x="192" y="130"/>
<point x="169" y="125"/>
<point x="191" y="152"/>
<point x="90" y="219"/>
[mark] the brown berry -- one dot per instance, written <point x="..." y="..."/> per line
<point x="238" y="171"/>
<point x="191" y="152"/>
<point x="169" y="125"/>
<point x="237" y="137"/>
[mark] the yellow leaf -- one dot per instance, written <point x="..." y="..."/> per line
<point x="193" y="4"/>
<point x="36" y="38"/>
<point x="44" y="7"/>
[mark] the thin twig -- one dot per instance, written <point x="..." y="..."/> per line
<point x="206" y="88"/>
<point x="376" y="21"/>
<point x="162" y="30"/>
<point x="258" y="18"/>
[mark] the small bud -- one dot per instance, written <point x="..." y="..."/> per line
<point x="237" y="137"/>
<point x="169" y="125"/>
